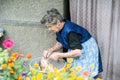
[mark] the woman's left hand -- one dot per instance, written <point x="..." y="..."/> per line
<point x="55" y="56"/>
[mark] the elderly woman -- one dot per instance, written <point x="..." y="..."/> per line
<point x="81" y="46"/>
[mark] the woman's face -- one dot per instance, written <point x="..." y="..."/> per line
<point x="54" y="27"/>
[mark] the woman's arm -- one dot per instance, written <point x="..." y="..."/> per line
<point x="56" y="47"/>
<point x="72" y="54"/>
<point x="75" y="46"/>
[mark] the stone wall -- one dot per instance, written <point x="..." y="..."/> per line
<point x="20" y="19"/>
<point x="27" y="10"/>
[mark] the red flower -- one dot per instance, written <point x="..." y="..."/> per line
<point x="8" y="43"/>
<point x="86" y="73"/>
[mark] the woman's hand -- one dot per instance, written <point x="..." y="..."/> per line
<point x="47" y="53"/>
<point x="55" y="56"/>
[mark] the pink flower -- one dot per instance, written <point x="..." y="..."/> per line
<point x="21" y="55"/>
<point x="8" y="43"/>
<point x="86" y="73"/>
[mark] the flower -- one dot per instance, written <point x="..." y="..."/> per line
<point x="86" y="73"/>
<point x="27" y="78"/>
<point x="15" y="66"/>
<point x="68" y="66"/>
<point x="18" y="68"/>
<point x="4" y="58"/>
<point x="4" y="66"/>
<point x="29" y="56"/>
<point x="36" y="65"/>
<point x="12" y="72"/>
<point x="19" y="77"/>
<point x="92" y="66"/>
<point x="25" y="63"/>
<point x="70" y="60"/>
<point x="98" y="79"/>
<point x="79" y="68"/>
<point x="80" y="78"/>
<point x="8" y="43"/>
<point x="39" y="76"/>
<point x="50" y="75"/>
<point x="66" y="73"/>
<point x="24" y="75"/>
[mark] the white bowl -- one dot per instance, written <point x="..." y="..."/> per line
<point x="60" y="64"/>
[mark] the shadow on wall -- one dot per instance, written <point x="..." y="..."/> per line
<point x="66" y="10"/>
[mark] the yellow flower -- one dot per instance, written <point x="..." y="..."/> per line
<point x="50" y="75"/>
<point x="63" y="70"/>
<point x="58" y="74"/>
<point x="43" y="70"/>
<point x="27" y="78"/>
<point x="36" y="65"/>
<point x="80" y="78"/>
<point x="70" y="60"/>
<point x="39" y="76"/>
<point x="33" y="78"/>
<point x="98" y="79"/>
<point x="72" y="78"/>
<point x="57" y="78"/>
<point x="72" y="73"/>
<point x="55" y="69"/>
<point x="71" y="69"/>
<point x="34" y="71"/>
<point x="68" y="66"/>
<point x="92" y="66"/>
<point x="11" y="64"/>
<point x="79" y="68"/>
<point x="4" y="66"/>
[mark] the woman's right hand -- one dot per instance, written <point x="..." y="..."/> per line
<point x="47" y="53"/>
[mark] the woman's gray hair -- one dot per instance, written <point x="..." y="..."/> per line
<point x="52" y="17"/>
